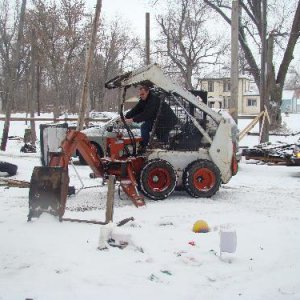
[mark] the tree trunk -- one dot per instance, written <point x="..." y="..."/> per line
<point x="85" y="89"/>
<point x="275" y="103"/>
<point x="57" y="96"/>
<point x="277" y="82"/>
<point x="234" y="70"/>
<point x="264" y="100"/>
<point x="13" y="78"/>
<point x="38" y="88"/>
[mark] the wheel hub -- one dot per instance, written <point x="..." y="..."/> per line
<point x="204" y="179"/>
<point x="155" y="179"/>
<point x="159" y="179"/>
<point x="200" y="179"/>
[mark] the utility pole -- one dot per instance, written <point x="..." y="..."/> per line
<point x="33" y="90"/>
<point x="263" y="128"/>
<point x="269" y="77"/>
<point x="12" y="89"/>
<point x="88" y="68"/>
<point x="234" y="81"/>
<point x="147" y="35"/>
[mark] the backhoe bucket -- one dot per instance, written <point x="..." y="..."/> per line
<point x="48" y="191"/>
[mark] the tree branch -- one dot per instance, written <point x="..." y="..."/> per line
<point x="288" y="55"/>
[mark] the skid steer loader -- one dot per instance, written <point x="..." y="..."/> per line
<point x="198" y="155"/>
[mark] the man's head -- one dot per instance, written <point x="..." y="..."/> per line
<point x="144" y="92"/>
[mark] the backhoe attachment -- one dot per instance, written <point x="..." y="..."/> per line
<point x="49" y="185"/>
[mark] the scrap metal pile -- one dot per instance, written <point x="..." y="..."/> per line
<point x="279" y="152"/>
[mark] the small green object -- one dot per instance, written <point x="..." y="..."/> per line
<point x="166" y="272"/>
<point x="153" y="277"/>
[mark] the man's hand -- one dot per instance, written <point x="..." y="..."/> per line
<point x="129" y="121"/>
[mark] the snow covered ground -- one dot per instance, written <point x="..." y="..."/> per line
<point x="45" y="259"/>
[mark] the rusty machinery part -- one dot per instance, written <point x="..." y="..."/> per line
<point x="48" y="191"/>
<point x="99" y="151"/>
<point x="49" y="185"/>
<point x="201" y="178"/>
<point x="128" y="180"/>
<point x="115" y="147"/>
<point x="234" y="161"/>
<point x="76" y="140"/>
<point x="158" y="179"/>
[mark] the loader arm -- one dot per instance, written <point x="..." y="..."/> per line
<point x="154" y="74"/>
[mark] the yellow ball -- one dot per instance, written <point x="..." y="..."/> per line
<point x="200" y="226"/>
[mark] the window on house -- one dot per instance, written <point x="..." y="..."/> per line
<point x="210" y="86"/>
<point x="211" y="104"/>
<point x="226" y="101"/>
<point x="251" y="102"/>
<point x="226" y="85"/>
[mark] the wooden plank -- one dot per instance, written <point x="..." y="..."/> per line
<point x="83" y="221"/>
<point x="110" y="199"/>
<point x="88" y="68"/>
<point x="14" y="183"/>
<point x="250" y="126"/>
<point x="267" y="159"/>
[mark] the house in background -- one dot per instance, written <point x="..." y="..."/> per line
<point x="219" y="94"/>
<point x="290" y="101"/>
<point x="251" y="101"/>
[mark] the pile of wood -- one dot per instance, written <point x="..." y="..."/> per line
<point x="271" y="153"/>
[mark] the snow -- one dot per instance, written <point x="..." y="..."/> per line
<point x="46" y="259"/>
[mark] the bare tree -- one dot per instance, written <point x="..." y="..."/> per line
<point x="115" y="51"/>
<point x="62" y="29"/>
<point x="293" y="78"/>
<point x="61" y="34"/>
<point x="7" y="38"/>
<point x="186" y="40"/>
<point x="88" y="67"/>
<point x="13" y="79"/>
<point x="284" y="28"/>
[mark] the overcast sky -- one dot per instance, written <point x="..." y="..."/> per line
<point x="132" y="11"/>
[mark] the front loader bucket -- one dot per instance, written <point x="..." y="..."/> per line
<point x="48" y="191"/>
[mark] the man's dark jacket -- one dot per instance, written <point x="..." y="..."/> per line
<point x="146" y="110"/>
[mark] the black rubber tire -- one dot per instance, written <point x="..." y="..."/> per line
<point x="207" y="173"/>
<point x="99" y="151"/>
<point x="11" y="169"/>
<point x="158" y="179"/>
